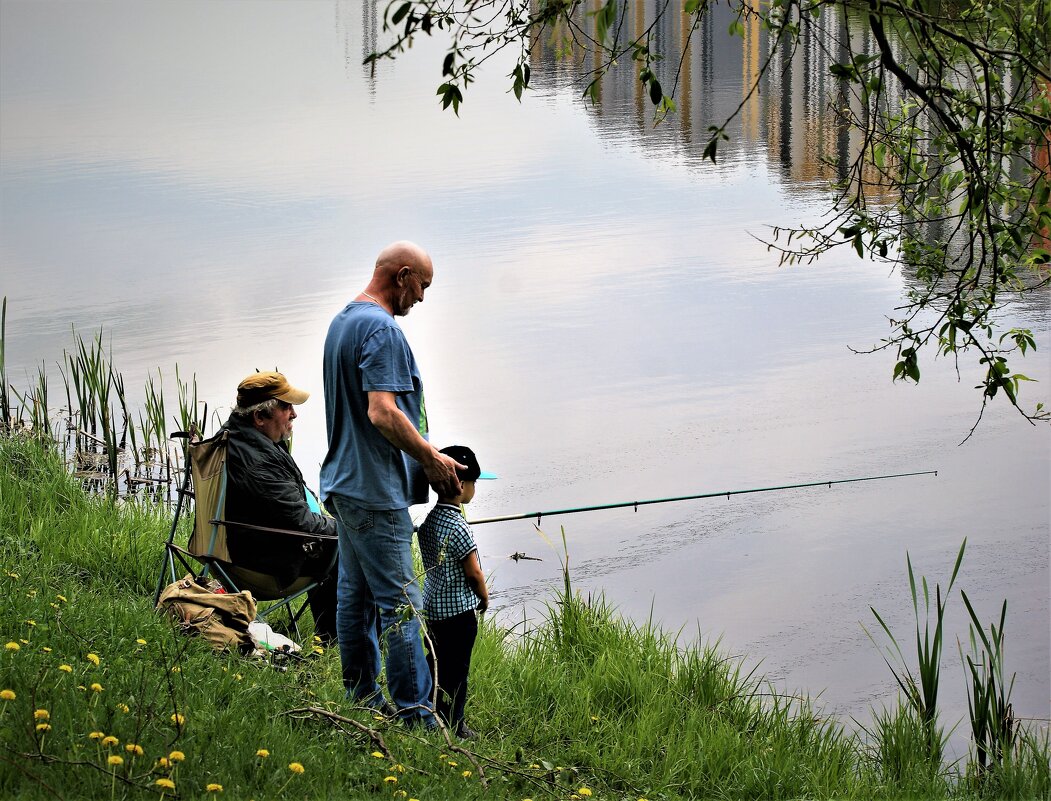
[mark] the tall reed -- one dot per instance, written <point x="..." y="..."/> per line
<point x="5" y="405"/>
<point x="921" y="692"/>
<point x="988" y="695"/>
<point x="34" y="402"/>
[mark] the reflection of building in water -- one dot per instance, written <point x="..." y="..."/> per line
<point x="792" y="115"/>
<point x="368" y="27"/>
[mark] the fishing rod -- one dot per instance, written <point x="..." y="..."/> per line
<point x="726" y="493"/>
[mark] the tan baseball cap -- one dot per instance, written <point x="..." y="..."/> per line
<point x="259" y="387"/>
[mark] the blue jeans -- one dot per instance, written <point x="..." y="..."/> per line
<point x="376" y="576"/>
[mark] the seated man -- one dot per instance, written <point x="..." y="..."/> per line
<point x="265" y="488"/>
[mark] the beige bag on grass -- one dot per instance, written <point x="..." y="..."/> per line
<point x="221" y="618"/>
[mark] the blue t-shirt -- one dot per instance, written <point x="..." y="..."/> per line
<point x="445" y="540"/>
<point x="365" y="350"/>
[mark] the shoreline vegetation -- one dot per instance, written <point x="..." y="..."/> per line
<point x="100" y="697"/>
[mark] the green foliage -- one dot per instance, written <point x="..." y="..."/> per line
<point x="993" y="726"/>
<point x="900" y="745"/>
<point x="921" y="691"/>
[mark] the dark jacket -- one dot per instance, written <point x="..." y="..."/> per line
<point x="265" y="488"/>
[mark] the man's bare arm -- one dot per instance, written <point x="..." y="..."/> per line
<point x="402" y="434"/>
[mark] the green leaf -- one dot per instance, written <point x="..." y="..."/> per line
<point x="655" y="91"/>
<point x="399" y="15"/>
<point x="709" y="150"/>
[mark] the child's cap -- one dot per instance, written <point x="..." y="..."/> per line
<point x="465" y="455"/>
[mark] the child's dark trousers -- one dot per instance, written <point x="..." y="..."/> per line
<point x="452" y="640"/>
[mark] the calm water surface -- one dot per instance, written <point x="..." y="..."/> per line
<point x="209" y="183"/>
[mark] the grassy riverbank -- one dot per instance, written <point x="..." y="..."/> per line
<point x="587" y="705"/>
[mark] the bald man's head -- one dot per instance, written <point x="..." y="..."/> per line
<point x="403" y="273"/>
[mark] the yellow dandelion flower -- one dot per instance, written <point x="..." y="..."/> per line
<point x="238" y="676"/>
<point x="132" y="748"/>
<point x="466" y="774"/>
<point x="594" y="718"/>
<point x="400" y="794"/>
<point x="82" y="687"/>
<point x="377" y="754"/>
<point x="115" y="760"/>
<point x="62" y="598"/>
<point x="390" y="779"/>
<point x="452" y="764"/>
<point x="176" y="756"/>
<point x="163" y="762"/>
<point x="13" y="575"/>
<point x="8" y="695"/>
<point x="399" y="767"/>
<point x="93" y="659"/>
<point x="262" y="753"/>
<point x="318" y="649"/>
<point x="535" y="766"/>
<point x="30" y="622"/>
<point x="214" y="787"/>
<point x="178" y="719"/>
<point x="43" y="727"/>
<point x="96" y="735"/>
<point x="167" y="784"/>
<point x="110" y="740"/>
<point x="41" y="714"/>
<point x="96" y="687"/>
<point x="46" y="650"/>
<point x="141" y="641"/>
<point x="176" y="669"/>
<point x="53" y="605"/>
<point x="295" y="767"/>
<point x="123" y="708"/>
<point x="23" y="640"/>
<point x="66" y="668"/>
<point x="31" y="594"/>
<point x="584" y="792"/>
<point x="13" y="646"/>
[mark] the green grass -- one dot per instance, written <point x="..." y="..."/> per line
<point x="585" y="701"/>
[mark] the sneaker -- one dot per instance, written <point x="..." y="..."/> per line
<point x="465" y="733"/>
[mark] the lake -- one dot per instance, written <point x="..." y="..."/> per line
<point x="209" y="183"/>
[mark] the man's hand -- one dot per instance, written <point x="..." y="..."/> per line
<point x="395" y="426"/>
<point x="441" y="474"/>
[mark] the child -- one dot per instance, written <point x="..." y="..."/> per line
<point x="453" y="589"/>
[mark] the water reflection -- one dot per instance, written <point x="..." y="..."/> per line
<point x="791" y="120"/>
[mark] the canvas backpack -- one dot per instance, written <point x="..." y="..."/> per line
<point x="221" y="618"/>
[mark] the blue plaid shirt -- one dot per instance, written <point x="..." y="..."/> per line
<point x="445" y="539"/>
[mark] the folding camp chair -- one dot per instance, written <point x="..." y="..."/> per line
<point x="204" y="484"/>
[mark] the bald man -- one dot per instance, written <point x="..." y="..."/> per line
<point x="379" y="463"/>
